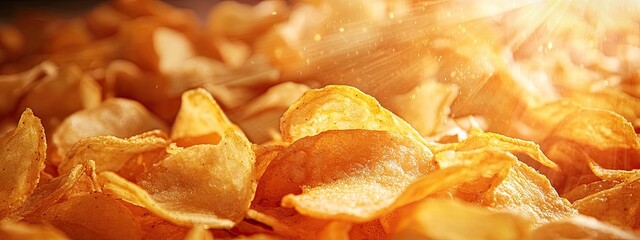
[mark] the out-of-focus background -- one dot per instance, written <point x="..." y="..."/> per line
<point x="9" y="8"/>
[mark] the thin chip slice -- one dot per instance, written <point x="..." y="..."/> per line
<point x="79" y="218"/>
<point x="206" y="184"/>
<point x="526" y="192"/>
<point x="619" y="206"/>
<point x="425" y="107"/>
<point x="346" y="175"/>
<point x="114" y="117"/>
<point x="580" y="227"/>
<point x="338" y="107"/>
<point x="454" y="219"/>
<point x="474" y="165"/>
<point x="200" y="120"/>
<point x="22" y="155"/>
<point x="478" y="139"/>
<point x="115" y="154"/>
<point x="24" y="231"/>
<point x="80" y="180"/>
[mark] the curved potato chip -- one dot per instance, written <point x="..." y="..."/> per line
<point x="114" y="117"/>
<point x="454" y="219"/>
<point x="526" y="192"/>
<point x="12" y="87"/>
<point x="426" y="106"/>
<point x="473" y="165"/>
<point x="580" y="227"/>
<point x="78" y="218"/>
<point x="206" y="184"/>
<point x="61" y="94"/>
<point x="114" y="154"/>
<point x="260" y="118"/>
<point x="338" y="107"/>
<point x="80" y="180"/>
<point x="478" y="139"/>
<point x="617" y="206"/>
<point x="22" y="155"/>
<point x="200" y="120"/>
<point x="23" y="231"/>
<point x="344" y="174"/>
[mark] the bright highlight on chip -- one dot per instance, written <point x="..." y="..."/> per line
<point x="324" y="119"/>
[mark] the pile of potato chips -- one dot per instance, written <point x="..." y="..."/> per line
<point x="324" y="119"/>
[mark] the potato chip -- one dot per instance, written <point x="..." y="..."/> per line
<point x="104" y="20"/>
<point x="472" y="166"/>
<point x="425" y="107"/>
<point x="77" y="218"/>
<point x="68" y="91"/>
<point x="23" y="231"/>
<point x="260" y="119"/>
<point x="339" y="107"/>
<point x="63" y="34"/>
<point x="114" y="117"/>
<point x="580" y="227"/>
<point x="346" y="175"/>
<point x="12" y="87"/>
<point x="482" y="140"/>
<point x="179" y="187"/>
<point x="23" y="151"/>
<point x="154" y="227"/>
<point x="526" y="192"/>
<point x="621" y="103"/>
<point x="128" y="157"/>
<point x="617" y="206"/>
<point x="453" y="219"/>
<point x="235" y="20"/>
<point x="80" y="180"/>
<point x="264" y="155"/>
<point x="200" y="120"/>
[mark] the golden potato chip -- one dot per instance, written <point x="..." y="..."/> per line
<point x="580" y="227"/>
<point x="348" y="175"/>
<point x="198" y="232"/>
<point x="114" y="117"/>
<point x="23" y="151"/>
<point x="179" y="187"/>
<point x="58" y="96"/>
<point x="235" y="20"/>
<point x="12" y="87"/>
<point x="264" y="155"/>
<point x="454" y="219"/>
<point x="473" y="165"/>
<point x="23" y="231"/>
<point x="260" y="118"/>
<point x="80" y="180"/>
<point x="483" y="140"/>
<point x="128" y="157"/>
<point x="524" y="191"/>
<point x="154" y="227"/>
<point x="79" y="218"/>
<point x="200" y="120"/>
<point x="64" y="34"/>
<point x="339" y="107"/>
<point x="617" y="206"/>
<point x="621" y="103"/>
<point x="426" y="106"/>
<point x="585" y="190"/>
<point x="601" y="134"/>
